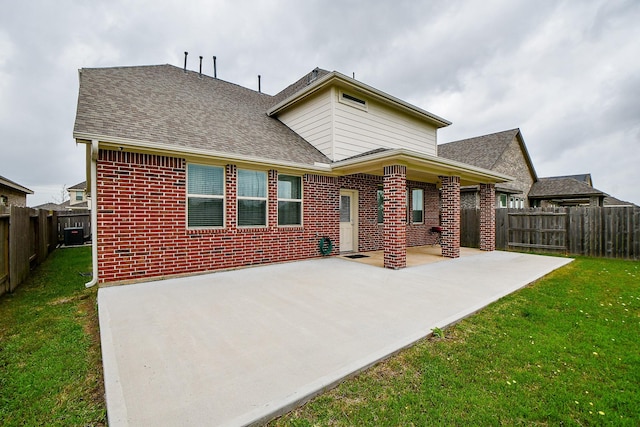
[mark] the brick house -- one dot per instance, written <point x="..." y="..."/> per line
<point x="504" y="152"/>
<point x="12" y="194"/>
<point x="190" y="173"/>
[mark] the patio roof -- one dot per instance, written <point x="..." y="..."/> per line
<point x="420" y="167"/>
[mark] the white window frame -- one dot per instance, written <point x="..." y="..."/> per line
<point x="378" y="191"/>
<point x="265" y="199"/>
<point x="223" y="197"/>
<point x="421" y="210"/>
<point x="300" y="200"/>
<point x="503" y="200"/>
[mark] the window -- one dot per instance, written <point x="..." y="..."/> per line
<point x="380" y="206"/>
<point x="417" y="206"/>
<point x="78" y="196"/>
<point x="289" y="200"/>
<point x="252" y="198"/>
<point x="205" y="196"/>
<point x="503" y="200"/>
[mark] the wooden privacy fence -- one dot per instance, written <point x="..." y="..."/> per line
<point x="610" y="232"/>
<point x="27" y="236"/>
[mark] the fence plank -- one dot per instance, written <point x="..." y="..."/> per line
<point x="470" y="228"/>
<point x="25" y="241"/>
<point x="4" y="253"/>
<point x="612" y="232"/>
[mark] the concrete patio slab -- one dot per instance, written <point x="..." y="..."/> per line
<point x="240" y="347"/>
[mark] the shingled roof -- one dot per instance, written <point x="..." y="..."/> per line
<point x="164" y="104"/>
<point x="562" y="187"/>
<point x="482" y="151"/>
<point x="303" y="82"/>
<point x="14" y="185"/>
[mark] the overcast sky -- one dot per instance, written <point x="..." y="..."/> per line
<point x="567" y="73"/>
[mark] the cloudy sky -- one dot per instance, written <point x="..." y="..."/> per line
<point x="567" y="73"/>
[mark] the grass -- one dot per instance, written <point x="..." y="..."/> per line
<point x="50" y="365"/>
<point x="563" y="351"/>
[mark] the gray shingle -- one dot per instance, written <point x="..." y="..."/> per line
<point x="562" y="187"/>
<point x="482" y="151"/>
<point x="304" y="81"/>
<point x="163" y="104"/>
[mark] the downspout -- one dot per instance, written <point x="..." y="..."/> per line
<point x="94" y="213"/>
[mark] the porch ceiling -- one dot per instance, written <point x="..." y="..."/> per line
<point x="420" y="167"/>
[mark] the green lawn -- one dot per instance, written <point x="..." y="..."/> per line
<point x="50" y="365"/>
<point x="564" y="351"/>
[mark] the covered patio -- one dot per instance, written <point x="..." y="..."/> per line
<point x="399" y="170"/>
<point x="416" y="255"/>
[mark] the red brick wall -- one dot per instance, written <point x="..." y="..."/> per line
<point x="420" y="234"/>
<point x="395" y="216"/>
<point x="487" y="217"/>
<point x="370" y="233"/>
<point x="450" y="216"/>
<point x="142" y="230"/>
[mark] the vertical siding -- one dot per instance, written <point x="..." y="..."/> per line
<point x="312" y="120"/>
<point x="358" y="131"/>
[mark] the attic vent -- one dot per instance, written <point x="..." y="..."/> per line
<point x="354" y="99"/>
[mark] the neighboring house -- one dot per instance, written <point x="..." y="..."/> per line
<point x="191" y="173"/>
<point x="570" y="190"/>
<point x="504" y="152"/>
<point x="12" y="194"/>
<point x="78" y="198"/>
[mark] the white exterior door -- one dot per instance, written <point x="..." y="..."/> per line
<point x="348" y="220"/>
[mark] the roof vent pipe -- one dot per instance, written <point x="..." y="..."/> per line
<point x="200" y="65"/>
<point x="185" y="61"/>
<point x="259" y="84"/>
<point x="215" y="70"/>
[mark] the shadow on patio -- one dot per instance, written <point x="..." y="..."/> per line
<point x="416" y="255"/>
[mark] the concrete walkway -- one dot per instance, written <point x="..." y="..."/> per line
<point x="239" y="347"/>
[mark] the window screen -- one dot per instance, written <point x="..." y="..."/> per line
<point x="252" y="198"/>
<point x="205" y="196"/>
<point x="289" y="200"/>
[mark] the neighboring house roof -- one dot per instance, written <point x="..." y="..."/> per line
<point x="52" y="207"/>
<point x="612" y="201"/>
<point x="484" y="151"/>
<point x="80" y="186"/>
<point x="168" y="106"/>
<point x="562" y="187"/>
<point x="583" y="177"/>
<point x="14" y="186"/>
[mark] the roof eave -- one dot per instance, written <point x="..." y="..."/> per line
<point x="195" y="153"/>
<point x="566" y="196"/>
<point x="15" y="186"/>
<point x="337" y="78"/>
<point x="435" y="165"/>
